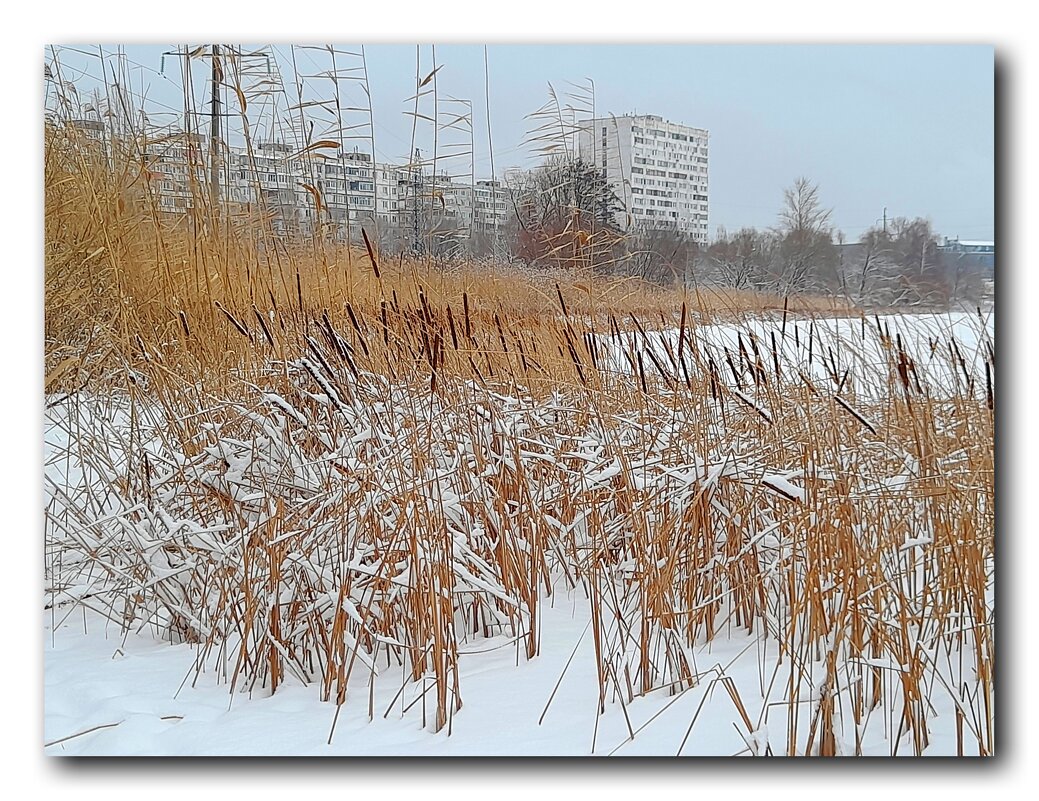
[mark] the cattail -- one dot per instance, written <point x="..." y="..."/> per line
<point x="451" y="325"/>
<point x="263" y="326"/>
<point x="241" y="328"/>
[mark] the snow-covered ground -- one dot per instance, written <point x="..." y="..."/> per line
<point x="138" y="694"/>
<point x="948" y="350"/>
<point x="134" y="696"/>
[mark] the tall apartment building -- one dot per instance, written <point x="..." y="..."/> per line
<point x="658" y="168"/>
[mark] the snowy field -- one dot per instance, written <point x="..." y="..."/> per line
<point x="562" y="658"/>
<point x="107" y="694"/>
<point x="948" y="351"/>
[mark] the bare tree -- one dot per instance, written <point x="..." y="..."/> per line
<point x="564" y="207"/>
<point x="967" y="277"/>
<point x="663" y="255"/>
<point x="903" y="265"/>
<point x="868" y="272"/>
<point x="914" y="249"/>
<point x="802" y="210"/>
<point x="743" y="260"/>
<point x="807" y="255"/>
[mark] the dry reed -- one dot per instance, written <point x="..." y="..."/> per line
<point x="319" y="461"/>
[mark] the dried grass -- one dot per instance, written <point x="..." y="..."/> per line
<point x="314" y="461"/>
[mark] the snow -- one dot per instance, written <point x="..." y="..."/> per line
<point x="139" y="694"/>
<point x="135" y="696"/>
<point x="825" y="349"/>
<point x="782" y="485"/>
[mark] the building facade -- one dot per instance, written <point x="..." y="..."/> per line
<point x="658" y="169"/>
<point x="407" y="195"/>
<point x="980" y="251"/>
<point x="353" y="191"/>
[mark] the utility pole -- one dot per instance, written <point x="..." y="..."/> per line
<point x="885" y="220"/>
<point x="214" y="133"/>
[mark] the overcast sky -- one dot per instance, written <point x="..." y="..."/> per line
<point x="906" y="127"/>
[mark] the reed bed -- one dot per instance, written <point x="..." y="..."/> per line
<point x="311" y="461"/>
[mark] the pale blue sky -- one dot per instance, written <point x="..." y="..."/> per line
<point x="909" y="127"/>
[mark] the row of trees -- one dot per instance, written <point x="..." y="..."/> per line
<point x="899" y="263"/>
<point x="566" y="209"/>
<point x="566" y="214"/>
